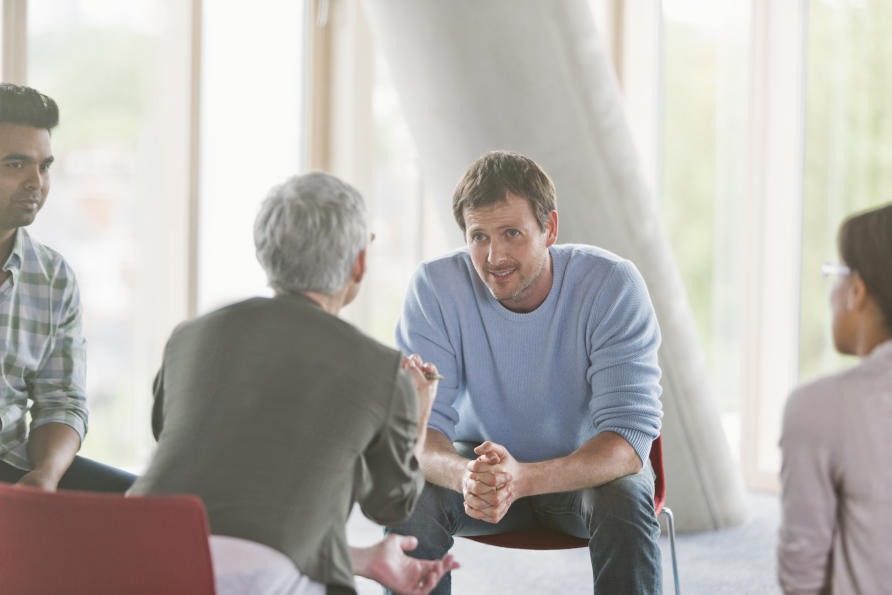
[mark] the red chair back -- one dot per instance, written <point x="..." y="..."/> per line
<point x="548" y="539"/>
<point x="97" y="544"/>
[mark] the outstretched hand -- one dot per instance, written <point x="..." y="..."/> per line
<point x="387" y="563"/>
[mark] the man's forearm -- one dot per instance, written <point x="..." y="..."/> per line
<point x="605" y="457"/>
<point x="51" y="448"/>
<point x="440" y="462"/>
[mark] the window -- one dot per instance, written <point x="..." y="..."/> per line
<point x="848" y="151"/>
<point x="703" y="178"/>
<point x="252" y="135"/>
<point x="728" y="146"/>
<point x="370" y="146"/>
<point x="117" y="207"/>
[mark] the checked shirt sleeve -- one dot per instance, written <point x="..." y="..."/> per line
<point x="58" y="390"/>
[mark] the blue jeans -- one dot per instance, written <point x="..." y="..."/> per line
<point x="617" y="518"/>
<point x="83" y="474"/>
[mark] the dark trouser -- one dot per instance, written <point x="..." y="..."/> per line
<point x="617" y="518"/>
<point x="83" y="474"/>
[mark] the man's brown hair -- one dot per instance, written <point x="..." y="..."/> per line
<point x="489" y="178"/>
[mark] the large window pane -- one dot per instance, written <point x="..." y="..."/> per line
<point x="848" y="150"/>
<point x="117" y="208"/>
<point x="704" y="177"/>
<point x="252" y="134"/>
<point x="402" y="213"/>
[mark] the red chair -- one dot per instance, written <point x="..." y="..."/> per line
<point x="102" y="544"/>
<point x="548" y="539"/>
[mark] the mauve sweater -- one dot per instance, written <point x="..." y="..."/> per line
<point x="836" y="528"/>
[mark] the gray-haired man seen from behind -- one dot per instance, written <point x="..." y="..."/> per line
<point x="280" y="415"/>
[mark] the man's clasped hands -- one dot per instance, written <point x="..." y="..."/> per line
<point x="491" y="483"/>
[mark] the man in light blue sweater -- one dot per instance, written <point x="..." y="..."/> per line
<point x="549" y="361"/>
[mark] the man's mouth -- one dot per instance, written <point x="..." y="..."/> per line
<point x="27" y="199"/>
<point x="501" y="274"/>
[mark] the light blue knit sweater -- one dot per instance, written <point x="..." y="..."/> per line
<point x="545" y="382"/>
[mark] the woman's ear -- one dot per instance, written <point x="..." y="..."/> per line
<point x="856" y="296"/>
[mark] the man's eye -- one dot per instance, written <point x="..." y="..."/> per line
<point x="513" y="232"/>
<point x="14" y="164"/>
<point x="478" y="237"/>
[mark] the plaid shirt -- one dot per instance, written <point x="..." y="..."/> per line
<point x="43" y="356"/>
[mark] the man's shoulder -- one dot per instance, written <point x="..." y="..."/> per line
<point x="586" y="255"/>
<point x="586" y="264"/>
<point x="449" y="274"/>
<point x="39" y="259"/>
<point x="453" y="263"/>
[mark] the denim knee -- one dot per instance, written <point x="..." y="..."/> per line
<point x="433" y="522"/>
<point x="626" y="500"/>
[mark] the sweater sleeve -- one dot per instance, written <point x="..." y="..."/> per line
<point x="624" y="374"/>
<point x="422" y="329"/>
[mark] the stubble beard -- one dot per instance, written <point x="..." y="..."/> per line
<point x="522" y="292"/>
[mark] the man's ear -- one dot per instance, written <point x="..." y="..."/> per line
<point x="358" y="271"/>
<point x="551" y="228"/>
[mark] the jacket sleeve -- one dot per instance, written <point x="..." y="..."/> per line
<point x="158" y="404"/>
<point x="392" y="473"/>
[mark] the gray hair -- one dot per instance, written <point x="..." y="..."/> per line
<point x="308" y="233"/>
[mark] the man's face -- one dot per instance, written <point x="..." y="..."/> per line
<point x="510" y="251"/>
<point x="25" y="158"/>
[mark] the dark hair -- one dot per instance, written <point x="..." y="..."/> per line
<point x="497" y="172"/>
<point x="865" y="245"/>
<point x="27" y="107"/>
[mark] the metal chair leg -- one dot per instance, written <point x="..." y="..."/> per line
<point x="670" y="523"/>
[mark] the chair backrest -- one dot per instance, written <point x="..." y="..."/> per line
<point x="84" y="543"/>
<point x="547" y="539"/>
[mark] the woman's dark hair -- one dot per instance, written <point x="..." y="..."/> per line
<point x="27" y="107"/>
<point x="865" y="246"/>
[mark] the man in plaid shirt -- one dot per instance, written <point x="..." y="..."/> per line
<point x="42" y="351"/>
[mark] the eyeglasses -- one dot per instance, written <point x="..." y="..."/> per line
<point x="829" y="269"/>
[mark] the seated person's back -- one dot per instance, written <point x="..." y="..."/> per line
<point x="280" y="415"/>
<point x="836" y="533"/>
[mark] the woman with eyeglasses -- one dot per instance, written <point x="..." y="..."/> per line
<point x="836" y="528"/>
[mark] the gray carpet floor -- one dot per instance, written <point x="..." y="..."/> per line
<point x="739" y="560"/>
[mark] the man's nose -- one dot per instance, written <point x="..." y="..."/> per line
<point x="36" y="179"/>
<point x="496" y="252"/>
